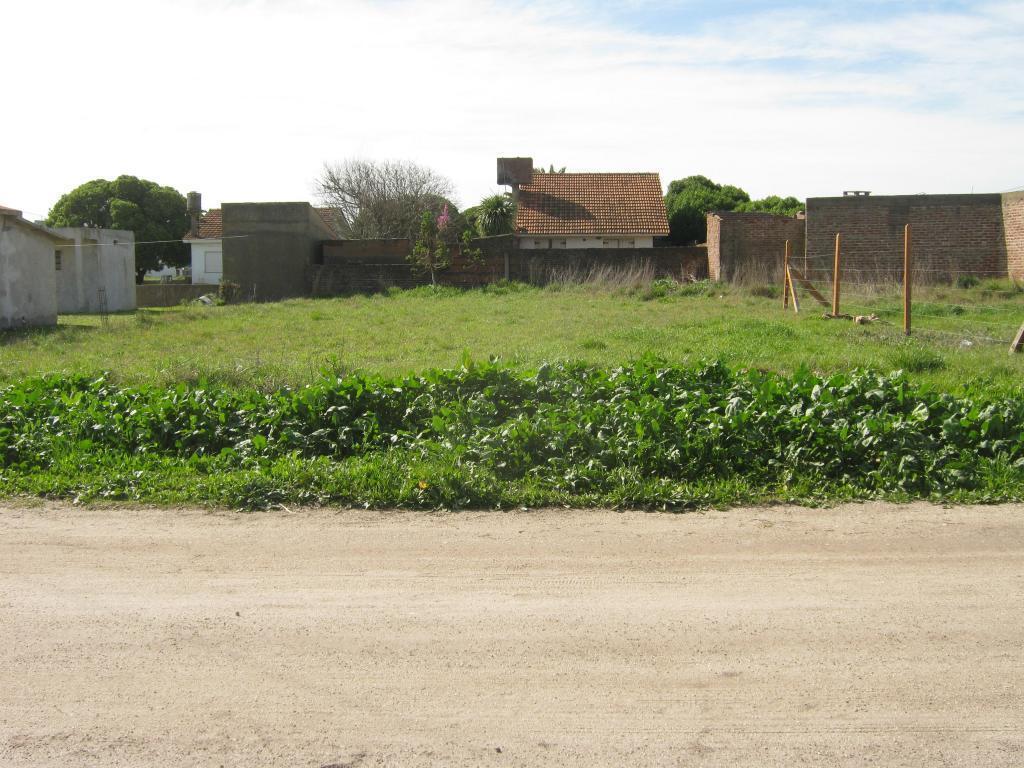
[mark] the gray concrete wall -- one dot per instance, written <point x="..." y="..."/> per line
<point x="28" y="287"/>
<point x="170" y="294"/>
<point x="99" y="259"/>
<point x="270" y="249"/>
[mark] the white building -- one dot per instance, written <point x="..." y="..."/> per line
<point x="28" y="283"/>
<point x="95" y="270"/>
<point x="584" y="210"/>
<point x="206" y="241"/>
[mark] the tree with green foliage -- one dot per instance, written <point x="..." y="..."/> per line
<point x="688" y="202"/>
<point x="496" y="215"/>
<point x="152" y="212"/>
<point x="782" y="206"/>
<point x="431" y="253"/>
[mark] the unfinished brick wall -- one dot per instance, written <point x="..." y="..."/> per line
<point x="541" y="266"/>
<point x="952" y="235"/>
<point x="367" y="266"/>
<point x="362" y="266"/>
<point x="749" y="247"/>
<point x="1013" y="228"/>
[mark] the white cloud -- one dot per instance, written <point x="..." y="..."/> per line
<point x="246" y="100"/>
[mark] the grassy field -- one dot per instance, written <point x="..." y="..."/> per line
<point x="960" y="341"/>
<point x="392" y="400"/>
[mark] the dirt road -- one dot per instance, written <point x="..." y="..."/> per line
<point x="869" y="635"/>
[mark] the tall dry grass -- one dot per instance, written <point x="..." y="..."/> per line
<point x="630" y="278"/>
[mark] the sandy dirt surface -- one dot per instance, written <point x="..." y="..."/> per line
<point x="864" y="635"/>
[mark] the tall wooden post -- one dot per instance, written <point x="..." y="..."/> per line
<point x="785" y="278"/>
<point x="835" y="279"/>
<point x="1017" y="344"/>
<point x="908" y="263"/>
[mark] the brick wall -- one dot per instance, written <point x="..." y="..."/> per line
<point x="367" y="266"/>
<point x="1013" y="228"/>
<point x="951" y="235"/>
<point x="357" y="266"/>
<point x="749" y="247"/>
<point x="540" y="266"/>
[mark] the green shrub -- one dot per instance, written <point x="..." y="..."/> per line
<point x="764" y="291"/>
<point x="648" y="434"/>
<point x="228" y="292"/>
<point x="918" y="360"/>
<point x="967" y="281"/>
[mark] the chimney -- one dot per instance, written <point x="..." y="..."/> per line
<point x="194" y="206"/>
<point x="513" y="171"/>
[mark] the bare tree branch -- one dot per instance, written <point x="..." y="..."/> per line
<point x="375" y="199"/>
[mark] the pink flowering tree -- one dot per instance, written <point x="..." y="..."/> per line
<point x="431" y="253"/>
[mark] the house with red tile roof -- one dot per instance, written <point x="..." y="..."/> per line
<point x="584" y="210"/>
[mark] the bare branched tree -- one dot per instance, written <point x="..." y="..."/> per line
<point x="374" y="199"/>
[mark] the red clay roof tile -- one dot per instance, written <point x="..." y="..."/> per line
<point x="592" y="204"/>
<point x="211" y="226"/>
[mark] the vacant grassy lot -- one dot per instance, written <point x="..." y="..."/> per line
<point x="960" y="342"/>
<point x="340" y="401"/>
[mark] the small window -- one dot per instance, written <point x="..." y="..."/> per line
<point x="214" y="263"/>
<point x="56" y="260"/>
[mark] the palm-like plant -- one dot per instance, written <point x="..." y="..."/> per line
<point x="495" y="215"/>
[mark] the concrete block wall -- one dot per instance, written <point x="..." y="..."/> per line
<point x="97" y="271"/>
<point x="750" y="246"/>
<point x="951" y="235"/>
<point x="1013" y="228"/>
<point x="271" y="250"/>
<point x="170" y="294"/>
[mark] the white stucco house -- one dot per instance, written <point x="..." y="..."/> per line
<point x="584" y="210"/>
<point x="95" y="271"/>
<point x="28" y="281"/>
<point x="206" y="241"/>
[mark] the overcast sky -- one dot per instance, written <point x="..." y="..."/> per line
<point x="245" y="100"/>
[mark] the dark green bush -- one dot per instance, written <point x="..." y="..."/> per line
<point x="568" y="432"/>
<point x="966" y="281"/>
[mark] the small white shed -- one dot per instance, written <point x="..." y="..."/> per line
<point x="28" y="283"/>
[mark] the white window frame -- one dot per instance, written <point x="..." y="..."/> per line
<point x="206" y="262"/>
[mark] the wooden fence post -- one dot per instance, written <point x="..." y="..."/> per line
<point x="785" y="278"/>
<point x="1017" y="344"/>
<point x="835" y="279"/>
<point x="908" y="262"/>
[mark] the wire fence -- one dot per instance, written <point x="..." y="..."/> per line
<point x="945" y="305"/>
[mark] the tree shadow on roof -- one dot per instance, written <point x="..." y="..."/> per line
<point x="557" y="207"/>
